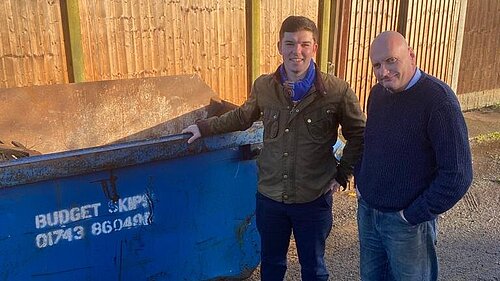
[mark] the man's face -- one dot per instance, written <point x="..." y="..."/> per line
<point x="297" y="50"/>
<point x="393" y="65"/>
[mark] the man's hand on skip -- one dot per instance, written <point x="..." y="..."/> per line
<point x="193" y="129"/>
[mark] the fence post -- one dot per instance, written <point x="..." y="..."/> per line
<point x="70" y="15"/>
<point x="458" y="46"/>
<point x="324" y="30"/>
<point x="402" y="17"/>
<point x="343" y="38"/>
<point x="253" y="41"/>
<point x="335" y="31"/>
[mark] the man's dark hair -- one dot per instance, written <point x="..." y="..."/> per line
<point x="299" y="23"/>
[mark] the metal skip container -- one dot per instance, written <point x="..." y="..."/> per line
<point x="138" y="207"/>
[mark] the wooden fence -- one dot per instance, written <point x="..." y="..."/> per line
<point x="228" y="43"/>
<point x="123" y="39"/>
<point x="32" y="44"/>
<point x="478" y="78"/>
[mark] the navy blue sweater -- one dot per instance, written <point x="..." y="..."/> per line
<point x="417" y="156"/>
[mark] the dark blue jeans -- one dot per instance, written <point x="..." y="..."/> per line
<point x="311" y="224"/>
<point x="392" y="249"/>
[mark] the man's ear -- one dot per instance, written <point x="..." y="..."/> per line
<point x="412" y="54"/>
<point x="279" y="47"/>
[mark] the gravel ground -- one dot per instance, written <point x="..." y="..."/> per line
<point x="468" y="234"/>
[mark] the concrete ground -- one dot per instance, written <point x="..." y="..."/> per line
<point x="468" y="234"/>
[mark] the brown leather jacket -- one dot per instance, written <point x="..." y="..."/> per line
<point x="296" y="163"/>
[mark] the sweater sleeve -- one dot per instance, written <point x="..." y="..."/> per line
<point x="353" y="128"/>
<point x="447" y="133"/>
<point x="238" y="119"/>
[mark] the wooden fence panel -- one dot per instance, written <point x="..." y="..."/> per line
<point x="144" y="38"/>
<point x="31" y="44"/>
<point x="432" y="27"/>
<point x="141" y="38"/>
<point x="480" y="65"/>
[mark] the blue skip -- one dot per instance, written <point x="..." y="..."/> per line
<point x="143" y="210"/>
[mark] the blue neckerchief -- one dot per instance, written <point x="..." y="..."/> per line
<point x="300" y="88"/>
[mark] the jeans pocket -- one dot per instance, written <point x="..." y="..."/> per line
<point x="398" y="218"/>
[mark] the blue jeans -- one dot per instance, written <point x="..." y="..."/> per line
<point x="392" y="249"/>
<point x="311" y="224"/>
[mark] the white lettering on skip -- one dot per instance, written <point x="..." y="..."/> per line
<point x="65" y="216"/>
<point x="128" y="204"/>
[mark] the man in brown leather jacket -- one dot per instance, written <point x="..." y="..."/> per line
<point x="301" y="108"/>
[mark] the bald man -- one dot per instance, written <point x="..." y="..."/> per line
<point x="416" y="165"/>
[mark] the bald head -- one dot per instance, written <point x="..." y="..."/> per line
<point x="388" y="40"/>
<point x="393" y="60"/>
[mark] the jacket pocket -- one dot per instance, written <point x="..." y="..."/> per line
<point x="270" y="120"/>
<point x="321" y="123"/>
